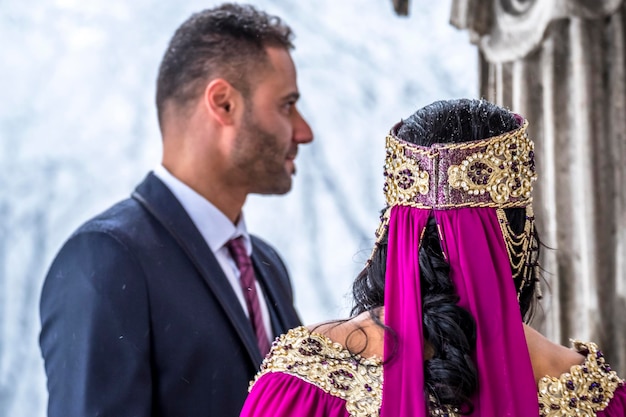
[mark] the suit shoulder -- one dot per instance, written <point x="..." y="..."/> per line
<point x="125" y="226"/>
<point x="124" y="218"/>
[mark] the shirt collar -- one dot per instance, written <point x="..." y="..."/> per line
<point x="213" y="225"/>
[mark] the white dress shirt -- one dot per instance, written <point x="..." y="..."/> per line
<point x="217" y="230"/>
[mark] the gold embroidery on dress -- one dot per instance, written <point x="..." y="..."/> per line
<point x="314" y="358"/>
<point x="317" y="360"/>
<point x="583" y="391"/>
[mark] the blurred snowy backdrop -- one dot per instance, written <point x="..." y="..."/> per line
<point x="78" y="131"/>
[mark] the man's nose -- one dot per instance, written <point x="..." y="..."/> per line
<point x="302" y="132"/>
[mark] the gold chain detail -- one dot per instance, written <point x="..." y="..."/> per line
<point x="518" y="245"/>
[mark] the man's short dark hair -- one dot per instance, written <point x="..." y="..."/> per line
<point x="228" y="41"/>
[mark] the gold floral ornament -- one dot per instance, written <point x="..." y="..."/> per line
<point x="505" y="169"/>
<point x="318" y="360"/>
<point x="583" y="391"/>
<point x="403" y="177"/>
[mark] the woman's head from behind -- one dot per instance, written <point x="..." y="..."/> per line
<point x="466" y="120"/>
<point x="450" y="374"/>
<point x="456" y="121"/>
<point x="452" y="122"/>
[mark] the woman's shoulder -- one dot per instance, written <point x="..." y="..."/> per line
<point x="549" y="358"/>
<point x="362" y="335"/>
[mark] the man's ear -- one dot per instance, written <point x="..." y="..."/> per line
<point x="221" y="100"/>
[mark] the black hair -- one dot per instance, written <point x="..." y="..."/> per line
<point x="450" y="330"/>
<point x="227" y="41"/>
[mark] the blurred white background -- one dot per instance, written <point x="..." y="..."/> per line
<point x="78" y="131"/>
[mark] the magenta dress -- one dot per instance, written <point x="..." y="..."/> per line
<point x="307" y="375"/>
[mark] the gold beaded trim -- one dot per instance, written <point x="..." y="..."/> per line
<point x="318" y="360"/>
<point x="583" y="391"/>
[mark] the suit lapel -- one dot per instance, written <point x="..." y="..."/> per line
<point x="284" y="315"/>
<point x="158" y="200"/>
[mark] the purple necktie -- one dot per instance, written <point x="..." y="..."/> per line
<point x="248" y="285"/>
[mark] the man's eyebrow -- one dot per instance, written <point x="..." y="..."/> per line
<point x="292" y="96"/>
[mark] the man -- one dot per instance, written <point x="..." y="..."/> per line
<point x="143" y="312"/>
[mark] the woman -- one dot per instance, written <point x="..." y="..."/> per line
<point x="439" y="307"/>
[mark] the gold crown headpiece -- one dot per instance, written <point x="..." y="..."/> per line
<point x="494" y="172"/>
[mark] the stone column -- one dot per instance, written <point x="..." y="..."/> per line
<point x="561" y="63"/>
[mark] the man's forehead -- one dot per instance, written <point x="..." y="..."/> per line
<point x="279" y="74"/>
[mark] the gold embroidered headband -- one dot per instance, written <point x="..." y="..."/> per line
<point x="494" y="172"/>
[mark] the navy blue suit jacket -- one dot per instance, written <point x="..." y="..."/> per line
<point x="138" y="318"/>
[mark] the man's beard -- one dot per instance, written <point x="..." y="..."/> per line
<point x="260" y="159"/>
